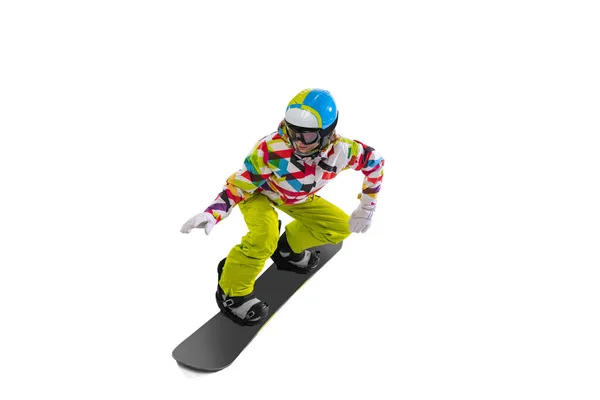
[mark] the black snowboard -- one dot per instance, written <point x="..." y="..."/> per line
<point x="220" y="341"/>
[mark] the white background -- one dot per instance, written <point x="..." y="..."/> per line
<point x="479" y="278"/>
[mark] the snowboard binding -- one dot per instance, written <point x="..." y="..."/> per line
<point x="243" y="310"/>
<point x="300" y="263"/>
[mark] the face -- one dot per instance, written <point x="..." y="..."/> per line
<point x="304" y="141"/>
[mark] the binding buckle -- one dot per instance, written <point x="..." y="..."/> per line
<point x="228" y="303"/>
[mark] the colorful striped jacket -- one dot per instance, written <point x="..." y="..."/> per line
<point x="273" y="169"/>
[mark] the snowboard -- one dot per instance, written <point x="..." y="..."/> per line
<point x="217" y="343"/>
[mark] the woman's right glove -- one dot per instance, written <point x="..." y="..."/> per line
<point x="203" y="220"/>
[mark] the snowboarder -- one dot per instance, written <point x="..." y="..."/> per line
<point x="284" y="171"/>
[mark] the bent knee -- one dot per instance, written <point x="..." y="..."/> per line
<point x="341" y="227"/>
<point x="261" y="243"/>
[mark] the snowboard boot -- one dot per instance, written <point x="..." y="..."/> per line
<point x="243" y="310"/>
<point x="287" y="260"/>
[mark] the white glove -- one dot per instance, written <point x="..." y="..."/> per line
<point x="203" y="220"/>
<point x="360" y="220"/>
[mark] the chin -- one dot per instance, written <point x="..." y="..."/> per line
<point x="304" y="153"/>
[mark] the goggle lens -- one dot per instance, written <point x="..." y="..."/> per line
<point x="306" y="136"/>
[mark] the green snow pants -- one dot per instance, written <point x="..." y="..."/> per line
<point x="316" y="222"/>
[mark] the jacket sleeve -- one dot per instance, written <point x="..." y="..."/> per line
<point x="253" y="173"/>
<point x="367" y="160"/>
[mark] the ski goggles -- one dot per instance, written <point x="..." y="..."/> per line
<point x="305" y="135"/>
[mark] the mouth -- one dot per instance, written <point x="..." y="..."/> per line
<point x="303" y="149"/>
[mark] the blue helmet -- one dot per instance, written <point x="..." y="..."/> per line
<point x="313" y="109"/>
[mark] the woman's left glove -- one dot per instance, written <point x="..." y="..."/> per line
<point x="360" y="220"/>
